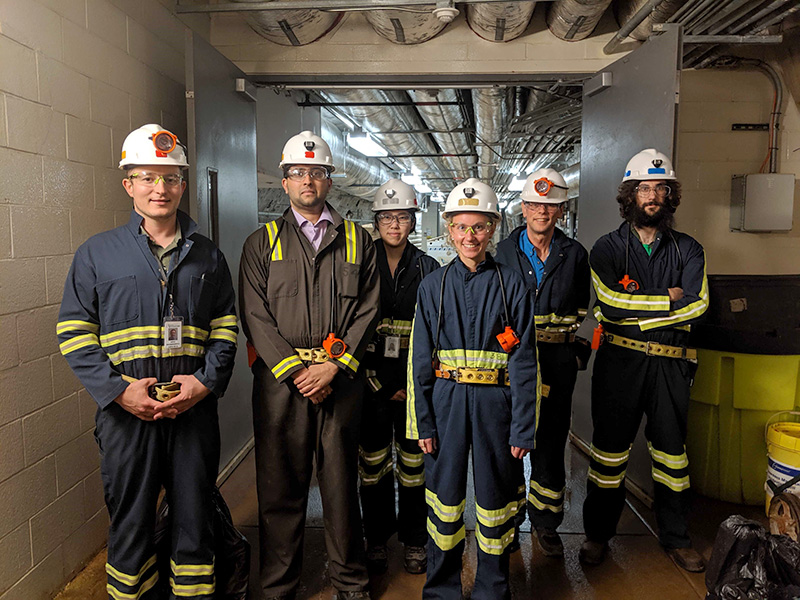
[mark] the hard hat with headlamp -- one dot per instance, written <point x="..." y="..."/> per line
<point x="395" y="195"/>
<point x="546" y="186"/>
<point x="306" y="148"/>
<point x="152" y="145"/>
<point x="472" y="196"/>
<point x="649" y="165"/>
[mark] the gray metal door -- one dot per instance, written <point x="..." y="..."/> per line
<point x="222" y="155"/>
<point x="629" y="106"/>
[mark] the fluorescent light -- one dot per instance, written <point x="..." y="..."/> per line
<point x="516" y="184"/>
<point x="411" y="179"/>
<point x="423" y="188"/>
<point x="437" y="197"/>
<point x="364" y="144"/>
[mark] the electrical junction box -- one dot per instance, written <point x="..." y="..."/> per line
<point x="762" y="202"/>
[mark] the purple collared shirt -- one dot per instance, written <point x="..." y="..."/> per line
<point x="314" y="232"/>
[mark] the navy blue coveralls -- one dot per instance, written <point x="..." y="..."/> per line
<point x="110" y="324"/>
<point x="384" y="419"/>
<point x="489" y="419"/>
<point x="628" y="383"/>
<point x="562" y="297"/>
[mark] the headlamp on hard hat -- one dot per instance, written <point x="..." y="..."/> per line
<point x="164" y="141"/>
<point x="543" y="185"/>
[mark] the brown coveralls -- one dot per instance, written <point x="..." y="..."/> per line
<point x="286" y="294"/>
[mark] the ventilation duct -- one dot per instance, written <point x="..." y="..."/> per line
<point x="500" y="21"/>
<point x="444" y="120"/>
<point x="491" y="112"/>
<point x="290" y="27"/>
<point x="624" y="10"/>
<point x="405" y="26"/>
<point x="574" y="20"/>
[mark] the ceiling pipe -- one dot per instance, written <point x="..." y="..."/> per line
<point x="406" y="27"/>
<point x="500" y="22"/>
<point x="290" y="27"/>
<point x="491" y="113"/>
<point x="626" y="9"/>
<point x="574" y="20"/>
<point x="645" y="11"/>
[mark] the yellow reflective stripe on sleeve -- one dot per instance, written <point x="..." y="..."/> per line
<point x="130" y="580"/>
<point x="150" y="351"/>
<point x="598" y="314"/>
<point x="605" y="481"/>
<point x="610" y="459"/>
<point x="626" y="301"/>
<point x="409" y="459"/>
<point x="287" y="363"/>
<point x="146" y="587"/>
<point x="496" y="546"/>
<point x="676" y="484"/>
<point x="374" y="384"/>
<point x="75" y="325"/>
<point x="687" y="313"/>
<point x="351" y="248"/>
<point x="274" y="241"/>
<point x="226" y="321"/>
<point x="190" y="570"/>
<point x="78" y="342"/>
<point x="496" y="517"/>
<point x="394" y="327"/>
<point x="673" y="461"/>
<point x="582" y="312"/>
<point x="412" y="427"/>
<point x="483" y="359"/>
<point x="446" y="542"/>
<point x="547" y="493"/>
<point x="349" y="361"/>
<point x="223" y="334"/>
<point x="201" y="589"/>
<point x="373" y="478"/>
<point x="407" y="480"/>
<point x="445" y="512"/>
<point x="374" y="458"/>
<point x="556" y="508"/>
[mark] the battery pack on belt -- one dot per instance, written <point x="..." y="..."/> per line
<point x="554" y="337"/>
<point x="161" y="391"/>
<point x="652" y="348"/>
<point x="473" y="375"/>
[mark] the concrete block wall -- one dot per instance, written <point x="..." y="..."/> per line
<point x="709" y="153"/>
<point x="75" y="77"/>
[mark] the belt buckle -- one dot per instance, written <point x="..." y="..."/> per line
<point x="477" y="375"/>
<point x="648" y="348"/>
<point x="318" y="355"/>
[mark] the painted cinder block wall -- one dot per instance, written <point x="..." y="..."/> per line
<point x="75" y="77"/>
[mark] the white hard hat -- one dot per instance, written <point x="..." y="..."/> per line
<point x="305" y="148"/>
<point x="152" y="145"/>
<point x="395" y="195"/>
<point x="545" y="185"/>
<point x="649" y="164"/>
<point x="472" y="196"/>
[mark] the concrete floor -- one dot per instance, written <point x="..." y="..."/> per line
<point x="635" y="568"/>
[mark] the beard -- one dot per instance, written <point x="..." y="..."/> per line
<point x="661" y="220"/>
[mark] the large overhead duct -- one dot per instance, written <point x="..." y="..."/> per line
<point x="290" y="27"/>
<point x="500" y="22"/>
<point x="377" y="111"/>
<point x="406" y="26"/>
<point x="624" y="10"/>
<point x="491" y="113"/>
<point x="356" y="174"/>
<point x="444" y="120"/>
<point x="574" y="20"/>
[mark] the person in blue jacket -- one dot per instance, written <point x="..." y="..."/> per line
<point x="148" y="324"/>
<point x="473" y="383"/>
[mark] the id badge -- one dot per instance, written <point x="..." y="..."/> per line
<point x="173" y="333"/>
<point x="391" y="346"/>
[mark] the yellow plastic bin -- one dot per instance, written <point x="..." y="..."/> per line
<point x="783" y="448"/>
<point x="733" y="397"/>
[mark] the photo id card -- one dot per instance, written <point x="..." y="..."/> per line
<point x="391" y="346"/>
<point x="173" y="332"/>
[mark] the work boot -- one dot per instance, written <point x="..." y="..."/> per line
<point x="549" y="541"/>
<point x="687" y="559"/>
<point x="415" y="560"/>
<point x="592" y="553"/>
<point x="377" y="559"/>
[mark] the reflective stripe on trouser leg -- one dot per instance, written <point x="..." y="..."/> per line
<point x="411" y="507"/>
<point x="375" y="472"/>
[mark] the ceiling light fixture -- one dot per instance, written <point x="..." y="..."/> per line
<point x="362" y="142"/>
<point x="516" y="184"/>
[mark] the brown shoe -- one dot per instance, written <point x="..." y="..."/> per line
<point x="549" y="541"/>
<point x="687" y="559"/>
<point x="592" y="553"/>
<point x="415" y="559"/>
<point x="377" y="559"/>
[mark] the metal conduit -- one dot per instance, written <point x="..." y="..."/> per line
<point x="404" y="26"/>
<point x="646" y="10"/>
<point x="574" y="20"/>
<point x="491" y="113"/>
<point x="290" y="27"/>
<point x="626" y="9"/>
<point x="500" y="22"/>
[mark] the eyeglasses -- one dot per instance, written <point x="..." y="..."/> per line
<point x="151" y="179"/>
<point x="298" y="174"/>
<point x="661" y="189"/>
<point x="385" y="219"/>
<point x="478" y="229"/>
<point x="547" y="206"/>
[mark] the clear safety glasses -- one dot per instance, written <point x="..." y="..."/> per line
<point x="151" y="179"/>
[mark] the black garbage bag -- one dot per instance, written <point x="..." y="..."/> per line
<point x="231" y="549"/>
<point x="748" y="563"/>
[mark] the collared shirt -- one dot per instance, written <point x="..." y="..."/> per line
<point x="314" y="232"/>
<point x="164" y="254"/>
<point x="529" y="250"/>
